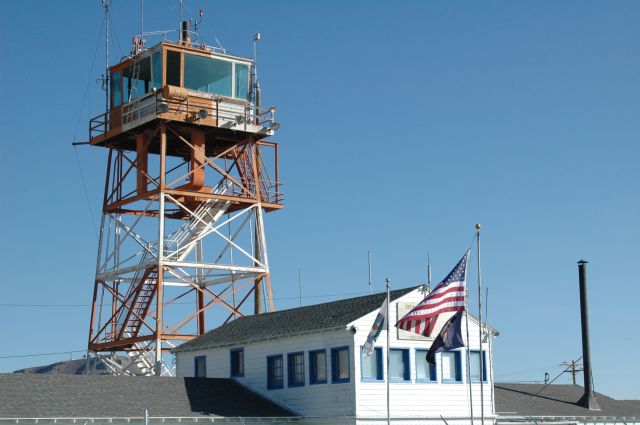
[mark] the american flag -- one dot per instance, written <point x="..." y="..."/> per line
<point x="448" y="295"/>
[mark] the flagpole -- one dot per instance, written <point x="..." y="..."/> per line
<point x="480" y="320"/>
<point x="466" y="317"/>
<point x="388" y="282"/>
<point x="489" y="353"/>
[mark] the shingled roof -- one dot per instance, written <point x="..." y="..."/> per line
<point x="557" y="401"/>
<point x="100" y="396"/>
<point x="290" y="322"/>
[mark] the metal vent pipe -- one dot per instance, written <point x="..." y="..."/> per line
<point x="588" y="400"/>
<point x="185" y="37"/>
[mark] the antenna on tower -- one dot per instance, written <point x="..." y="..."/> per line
<point x="180" y="22"/>
<point x="255" y="86"/>
<point x="196" y="27"/>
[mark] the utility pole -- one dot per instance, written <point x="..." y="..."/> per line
<point x="574" y="367"/>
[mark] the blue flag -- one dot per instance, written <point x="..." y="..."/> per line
<point x="450" y="337"/>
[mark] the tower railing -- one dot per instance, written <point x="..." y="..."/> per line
<point x="196" y="107"/>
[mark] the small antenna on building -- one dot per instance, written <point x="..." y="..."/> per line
<point x="429" y="271"/>
<point x="369" y="257"/>
<point x="300" y="285"/>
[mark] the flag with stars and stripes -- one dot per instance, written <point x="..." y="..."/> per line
<point x="447" y="296"/>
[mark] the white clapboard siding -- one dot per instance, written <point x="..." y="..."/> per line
<point x="412" y="399"/>
<point x="365" y="400"/>
<point x="309" y="400"/>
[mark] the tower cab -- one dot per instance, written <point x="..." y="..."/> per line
<point x="182" y="82"/>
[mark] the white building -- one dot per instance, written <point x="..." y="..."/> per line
<point x="309" y="360"/>
<point x="304" y="366"/>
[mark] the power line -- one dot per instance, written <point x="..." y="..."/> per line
<point x="89" y="305"/>
<point x="86" y="192"/>
<point x="41" y="354"/>
<point x="45" y="305"/>
<point x="553" y="380"/>
<point x="87" y="95"/>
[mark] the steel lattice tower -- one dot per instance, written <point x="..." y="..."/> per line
<point x="189" y="178"/>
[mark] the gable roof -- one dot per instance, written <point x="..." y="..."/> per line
<point x="100" y="396"/>
<point x="557" y="400"/>
<point x="290" y="322"/>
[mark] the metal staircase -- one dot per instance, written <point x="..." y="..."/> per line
<point x="182" y="241"/>
<point x="143" y="286"/>
<point x="140" y="362"/>
<point x="245" y="168"/>
<point x="144" y="293"/>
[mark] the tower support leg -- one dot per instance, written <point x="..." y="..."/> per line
<point x="200" y="294"/>
<point x="160" y="279"/>
<point x="161" y="238"/>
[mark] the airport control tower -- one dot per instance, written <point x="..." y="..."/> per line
<point x="189" y="176"/>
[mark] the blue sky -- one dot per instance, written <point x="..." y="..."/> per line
<point x="403" y="124"/>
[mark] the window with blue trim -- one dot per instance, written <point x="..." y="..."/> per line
<point x="399" y="364"/>
<point x="340" y="365"/>
<point x="425" y="372"/>
<point x="274" y="372"/>
<point x="317" y="367"/>
<point x="451" y="366"/>
<point x="295" y="368"/>
<point x="236" y="359"/>
<point x="200" y="366"/>
<point x="371" y="366"/>
<point x="474" y="366"/>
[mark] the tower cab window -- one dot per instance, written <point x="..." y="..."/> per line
<point x="133" y="87"/>
<point x="116" y="91"/>
<point x="125" y="86"/>
<point x="211" y="75"/>
<point x="156" y="67"/>
<point x="173" y="68"/>
<point x="207" y="74"/>
<point x="191" y="71"/>
<point x="242" y="81"/>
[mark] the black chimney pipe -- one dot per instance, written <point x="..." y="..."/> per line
<point x="185" y="37"/>
<point x="588" y="400"/>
